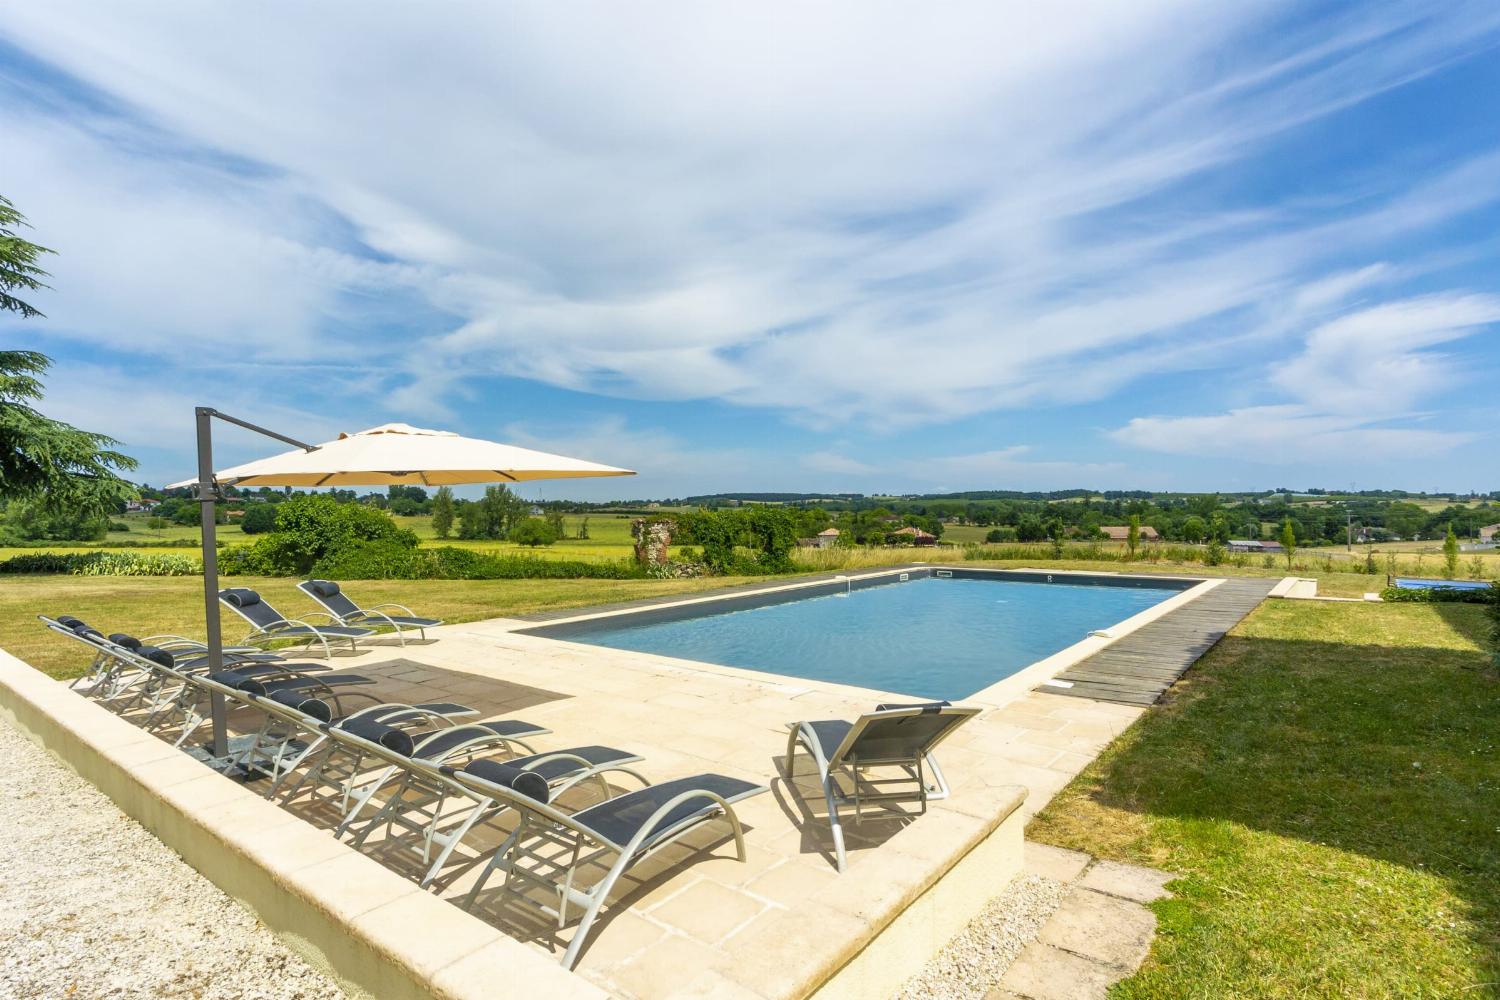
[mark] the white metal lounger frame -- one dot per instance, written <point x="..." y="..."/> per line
<point x="277" y="631"/>
<point x="288" y="737"/>
<point x="355" y="783"/>
<point x="843" y="760"/>
<point x="366" y="617"/>
<point x="426" y="815"/>
<point x="545" y="824"/>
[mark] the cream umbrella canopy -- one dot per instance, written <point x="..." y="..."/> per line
<point x="399" y="454"/>
<point x="388" y="455"/>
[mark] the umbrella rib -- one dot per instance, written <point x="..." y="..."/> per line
<point x="505" y="475"/>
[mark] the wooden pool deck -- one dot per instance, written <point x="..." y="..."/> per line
<point x="1139" y="668"/>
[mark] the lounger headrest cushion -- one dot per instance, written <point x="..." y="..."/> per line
<point x="393" y="739"/>
<point x="156" y="655"/>
<point x="240" y="597"/>
<point x="925" y="706"/>
<point x="85" y="632"/>
<point x="313" y="707"/>
<point x="527" y="783"/>
<point x="128" y="641"/>
<point x="323" y="588"/>
<point x="238" y="681"/>
<point x="68" y="621"/>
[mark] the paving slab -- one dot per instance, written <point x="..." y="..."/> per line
<point x="1103" y="928"/>
<point x="1056" y="863"/>
<point x="1043" y="972"/>
<point x="1144" y="885"/>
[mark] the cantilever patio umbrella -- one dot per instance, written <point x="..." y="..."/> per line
<point x="389" y="455"/>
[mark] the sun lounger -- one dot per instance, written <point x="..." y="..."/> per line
<point x="899" y="737"/>
<point x="270" y="626"/>
<point x="292" y="732"/>
<point x="549" y="848"/>
<point x="422" y="803"/>
<point x="342" y="768"/>
<point x="346" y="612"/>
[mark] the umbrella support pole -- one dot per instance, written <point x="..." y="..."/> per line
<point x="208" y="495"/>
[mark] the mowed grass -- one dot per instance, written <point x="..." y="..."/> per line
<point x="153" y="605"/>
<point x="1327" y="782"/>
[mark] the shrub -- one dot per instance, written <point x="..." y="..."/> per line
<point x="382" y="560"/>
<point x="102" y="564"/>
<point x="1442" y="595"/>
<point x="157" y="523"/>
<point x="259" y="518"/>
<point x="1001" y="534"/>
<point x="312" y="527"/>
<point x="118" y="526"/>
<point x="533" y="532"/>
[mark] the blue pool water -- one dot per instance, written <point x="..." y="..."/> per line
<point x="930" y="638"/>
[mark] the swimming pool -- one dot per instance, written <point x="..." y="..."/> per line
<point x="930" y="636"/>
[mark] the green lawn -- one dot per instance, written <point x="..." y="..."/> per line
<point x="149" y="605"/>
<point x="1327" y="782"/>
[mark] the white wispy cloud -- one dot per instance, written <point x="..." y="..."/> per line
<point x="845" y="212"/>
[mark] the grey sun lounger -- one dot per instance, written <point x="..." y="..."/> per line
<point x="342" y="769"/>
<point x="899" y="737"/>
<point x="292" y="731"/>
<point x="338" y="604"/>
<point x="549" y="848"/>
<point x="420" y="803"/>
<point x="270" y="626"/>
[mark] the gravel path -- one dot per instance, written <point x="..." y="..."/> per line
<point x="91" y="905"/>
<point x="973" y="962"/>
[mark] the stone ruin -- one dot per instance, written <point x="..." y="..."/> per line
<point x="651" y="540"/>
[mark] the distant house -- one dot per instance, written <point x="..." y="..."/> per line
<point x="1121" y="533"/>
<point x="914" y="536"/>
<point x="825" y="539"/>
<point x="1251" y="545"/>
<point x="140" y="506"/>
<point x="1490" y="533"/>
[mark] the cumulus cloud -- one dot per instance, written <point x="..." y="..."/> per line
<point x="779" y="206"/>
<point x="1355" y="377"/>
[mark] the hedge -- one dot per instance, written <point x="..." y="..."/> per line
<point x="390" y="561"/>
<point x="102" y="564"/>
<point x="1441" y="595"/>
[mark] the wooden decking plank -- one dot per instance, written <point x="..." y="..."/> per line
<point x="1139" y="668"/>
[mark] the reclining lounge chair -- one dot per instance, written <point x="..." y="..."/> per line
<point x="346" y="612"/>
<point x="549" y="848"/>
<point x="893" y="736"/>
<point x="270" y="626"/>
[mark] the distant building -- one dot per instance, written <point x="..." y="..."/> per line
<point x="1121" y="533"/>
<point x="1251" y="545"/>
<point x="825" y="539"/>
<point x="1490" y="533"/>
<point x="914" y="536"/>
<point x="140" y="506"/>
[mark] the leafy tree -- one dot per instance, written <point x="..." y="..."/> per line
<point x="1288" y="542"/>
<point x="1029" y="528"/>
<point x="533" y="531"/>
<point x="1193" y="529"/>
<point x="583" y="529"/>
<point x="442" y="512"/>
<point x="259" y="518"/>
<point x="557" y="524"/>
<point x="36" y="520"/>
<point x="312" y="526"/>
<point x="1133" y="536"/>
<point x="18" y="262"/>
<point x="64" y="468"/>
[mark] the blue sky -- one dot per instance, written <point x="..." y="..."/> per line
<point x="850" y="247"/>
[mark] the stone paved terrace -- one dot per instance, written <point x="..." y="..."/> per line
<point x="713" y="923"/>
<point x="696" y="922"/>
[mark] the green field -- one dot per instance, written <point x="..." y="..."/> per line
<point x="1327" y="783"/>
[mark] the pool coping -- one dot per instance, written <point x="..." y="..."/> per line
<point x="1003" y="691"/>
